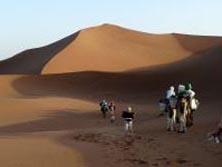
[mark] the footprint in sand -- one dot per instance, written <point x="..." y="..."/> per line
<point x="137" y="161"/>
<point x="181" y="161"/>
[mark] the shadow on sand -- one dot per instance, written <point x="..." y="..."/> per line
<point x="136" y="86"/>
<point x="60" y="120"/>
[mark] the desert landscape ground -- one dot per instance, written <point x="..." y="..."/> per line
<point x="49" y="100"/>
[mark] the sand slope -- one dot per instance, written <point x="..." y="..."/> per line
<point x="112" y="48"/>
<point x="53" y="119"/>
<point x="107" y="48"/>
<point x="33" y="61"/>
<point x="36" y="151"/>
<point x="135" y="86"/>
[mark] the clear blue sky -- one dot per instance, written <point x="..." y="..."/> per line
<point x="33" y="23"/>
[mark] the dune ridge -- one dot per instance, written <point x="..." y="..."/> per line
<point x="145" y="83"/>
<point x="50" y="112"/>
<point x="32" y="61"/>
<point x="107" y="48"/>
<point x="114" y="49"/>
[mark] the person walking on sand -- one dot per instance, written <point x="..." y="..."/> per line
<point x="192" y="103"/>
<point x="104" y="107"/>
<point x="112" y="109"/>
<point x="128" y="117"/>
<point x="169" y="94"/>
<point x="216" y="135"/>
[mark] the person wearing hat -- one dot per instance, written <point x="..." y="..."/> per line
<point x="193" y="103"/>
<point x="128" y="117"/>
<point x="190" y="93"/>
<point x="169" y="94"/>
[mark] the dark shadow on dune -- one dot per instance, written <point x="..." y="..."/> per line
<point x="61" y="120"/>
<point x="33" y="61"/>
<point x="137" y="86"/>
<point x="198" y="43"/>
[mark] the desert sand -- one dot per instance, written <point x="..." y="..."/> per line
<point x="49" y="100"/>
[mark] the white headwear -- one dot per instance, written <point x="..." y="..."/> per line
<point x="129" y="109"/>
<point x="181" y="88"/>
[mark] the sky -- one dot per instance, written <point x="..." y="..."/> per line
<point x="26" y="24"/>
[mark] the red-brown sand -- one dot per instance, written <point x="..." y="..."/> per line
<point x="54" y="119"/>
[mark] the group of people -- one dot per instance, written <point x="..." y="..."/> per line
<point x="127" y="115"/>
<point x="179" y="107"/>
<point x="108" y="107"/>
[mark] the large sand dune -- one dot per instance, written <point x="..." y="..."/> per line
<point x="52" y="117"/>
<point x="111" y="48"/>
<point x="32" y="61"/>
<point x="136" y="86"/>
<point x="107" y="48"/>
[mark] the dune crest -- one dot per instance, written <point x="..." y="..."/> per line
<point x="113" y="49"/>
<point x="53" y="118"/>
<point x="107" y="48"/>
<point x="32" y="61"/>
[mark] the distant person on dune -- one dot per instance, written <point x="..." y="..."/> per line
<point x="171" y="114"/>
<point x="169" y="94"/>
<point x="216" y="135"/>
<point x="128" y="117"/>
<point x="192" y="103"/>
<point x="181" y="90"/>
<point x="104" y="107"/>
<point x="188" y="93"/>
<point x="112" y="109"/>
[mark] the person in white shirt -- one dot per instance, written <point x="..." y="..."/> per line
<point x="169" y="94"/>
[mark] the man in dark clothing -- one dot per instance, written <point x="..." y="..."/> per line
<point x="104" y="107"/>
<point x="128" y="117"/>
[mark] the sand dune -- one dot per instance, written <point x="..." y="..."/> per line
<point x="52" y="117"/>
<point x="111" y="48"/>
<point x="32" y="152"/>
<point x="144" y="83"/>
<point x="33" y="61"/>
<point x="107" y="48"/>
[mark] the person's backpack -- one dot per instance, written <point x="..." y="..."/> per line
<point x="194" y="104"/>
<point x="104" y="109"/>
